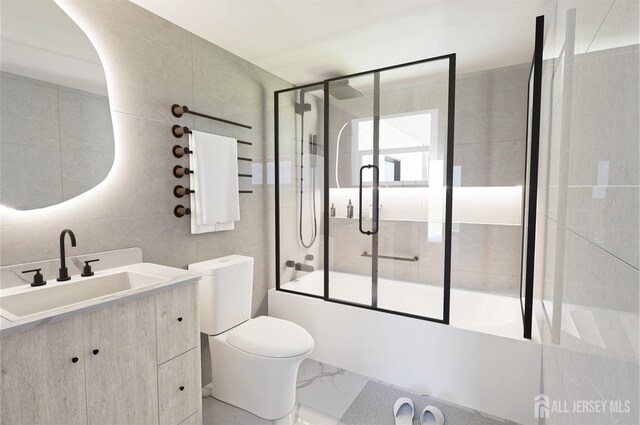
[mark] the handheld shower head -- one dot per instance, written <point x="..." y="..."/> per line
<point x="313" y="150"/>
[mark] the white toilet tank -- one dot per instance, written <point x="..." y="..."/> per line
<point x="224" y="293"/>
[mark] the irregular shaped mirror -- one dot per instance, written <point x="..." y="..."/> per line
<point x="56" y="135"/>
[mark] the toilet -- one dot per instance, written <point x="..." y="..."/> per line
<point x="254" y="362"/>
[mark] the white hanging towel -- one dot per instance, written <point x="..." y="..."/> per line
<point x="215" y="203"/>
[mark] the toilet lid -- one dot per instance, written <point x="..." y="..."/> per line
<point x="270" y="337"/>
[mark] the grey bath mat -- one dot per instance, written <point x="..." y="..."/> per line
<point x="374" y="406"/>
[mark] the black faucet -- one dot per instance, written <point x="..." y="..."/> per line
<point x="64" y="273"/>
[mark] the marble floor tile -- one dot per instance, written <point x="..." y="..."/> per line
<point x="217" y="412"/>
<point x="327" y="395"/>
<point x="324" y="393"/>
<point x="326" y="388"/>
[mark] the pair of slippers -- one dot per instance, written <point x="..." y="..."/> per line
<point x="403" y="413"/>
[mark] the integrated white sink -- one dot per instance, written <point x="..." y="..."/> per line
<point x="58" y="295"/>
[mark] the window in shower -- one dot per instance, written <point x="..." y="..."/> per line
<point x="404" y="147"/>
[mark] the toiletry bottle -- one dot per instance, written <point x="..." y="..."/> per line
<point x="332" y="211"/>
<point x="350" y="209"/>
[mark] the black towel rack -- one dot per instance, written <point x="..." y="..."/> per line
<point x="178" y="131"/>
<point x="178" y="111"/>
<point x="179" y="151"/>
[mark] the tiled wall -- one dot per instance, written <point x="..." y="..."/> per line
<point x="587" y="240"/>
<point x="151" y="64"/>
<point x="489" y="149"/>
<point x="56" y="142"/>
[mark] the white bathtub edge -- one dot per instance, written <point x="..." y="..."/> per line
<point x="496" y="375"/>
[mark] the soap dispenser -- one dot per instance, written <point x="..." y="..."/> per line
<point x="332" y="211"/>
<point x="349" y="209"/>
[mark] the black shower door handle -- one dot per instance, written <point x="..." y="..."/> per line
<point x="376" y="182"/>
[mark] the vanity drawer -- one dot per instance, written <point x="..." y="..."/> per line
<point x="177" y="321"/>
<point x="179" y="389"/>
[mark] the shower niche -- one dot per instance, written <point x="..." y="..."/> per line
<point x="363" y="176"/>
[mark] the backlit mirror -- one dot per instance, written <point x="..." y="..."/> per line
<point x="56" y="135"/>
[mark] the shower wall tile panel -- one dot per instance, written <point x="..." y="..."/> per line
<point x="484" y="257"/>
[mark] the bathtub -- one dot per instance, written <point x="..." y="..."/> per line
<point x="472" y="310"/>
<point x="479" y="360"/>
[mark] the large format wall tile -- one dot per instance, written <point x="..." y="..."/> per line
<point x="590" y="16"/>
<point x="594" y="278"/>
<point x="219" y="92"/>
<point x="57" y="125"/>
<point x="33" y="108"/>
<point x="85" y="122"/>
<point x="487" y="248"/>
<point x="24" y="187"/>
<point x="479" y="281"/>
<point x="491" y="163"/>
<point x="491" y="108"/>
<point x="620" y="28"/>
<point x="607" y="217"/>
<point x="147" y="60"/>
<point x="82" y="169"/>
<point x="604" y="118"/>
<point x="141" y="181"/>
<point x="590" y="248"/>
<point x="486" y="257"/>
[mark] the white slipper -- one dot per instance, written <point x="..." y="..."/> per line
<point x="431" y="415"/>
<point x="403" y="411"/>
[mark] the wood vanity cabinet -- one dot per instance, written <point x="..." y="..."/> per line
<point x="120" y="364"/>
<point x="132" y="363"/>
<point x="40" y="382"/>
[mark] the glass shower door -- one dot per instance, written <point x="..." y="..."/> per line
<point x="298" y="175"/>
<point x="390" y="160"/>
<point x="350" y="101"/>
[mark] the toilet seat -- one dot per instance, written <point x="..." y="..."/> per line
<point x="270" y="337"/>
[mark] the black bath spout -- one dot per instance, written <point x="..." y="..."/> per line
<point x="303" y="267"/>
<point x="64" y="273"/>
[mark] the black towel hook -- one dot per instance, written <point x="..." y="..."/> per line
<point x="179" y="131"/>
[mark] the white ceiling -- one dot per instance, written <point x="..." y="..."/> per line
<point x="304" y="41"/>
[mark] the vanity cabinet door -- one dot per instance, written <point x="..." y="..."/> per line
<point x="121" y="366"/>
<point x="178" y="321"/>
<point x="42" y="375"/>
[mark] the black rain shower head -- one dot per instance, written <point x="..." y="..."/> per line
<point x="341" y="90"/>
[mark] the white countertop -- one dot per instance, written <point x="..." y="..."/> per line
<point x="174" y="277"/>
